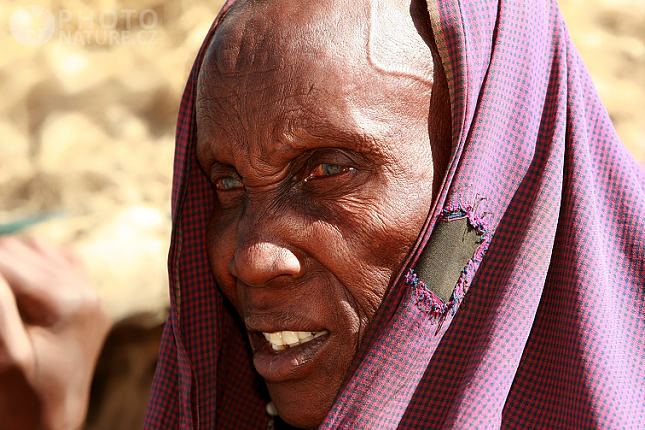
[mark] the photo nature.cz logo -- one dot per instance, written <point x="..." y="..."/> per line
<point x="34" y="25"/>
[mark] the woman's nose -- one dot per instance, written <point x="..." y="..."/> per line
<point x="259" y="258"/>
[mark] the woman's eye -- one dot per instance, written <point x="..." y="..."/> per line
<point x="327" y="169"/>
<point x="228" y="184"/>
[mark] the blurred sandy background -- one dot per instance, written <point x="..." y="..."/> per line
<point x="86" y="128"/>
<point x="86" y="135"/>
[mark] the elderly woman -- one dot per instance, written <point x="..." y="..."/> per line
<point x="388" y="214"/>
<point x="393" y="214"/>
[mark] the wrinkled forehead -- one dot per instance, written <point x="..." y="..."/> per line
<point x="321" y="61"/>
<point x="351" y="39"/>
<point x="268" y="35"/>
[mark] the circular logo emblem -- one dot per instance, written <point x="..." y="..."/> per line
<point x="32" y="25"/>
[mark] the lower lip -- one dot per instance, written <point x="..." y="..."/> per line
<point x="290" y="363"/>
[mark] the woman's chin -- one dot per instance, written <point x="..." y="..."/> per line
<point x="300" y="404"/>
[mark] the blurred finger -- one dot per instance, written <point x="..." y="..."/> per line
<point x="46" y="249"/>
<point x="47" y="282"/>
<point x="32" y="279"/>
<point x="30" y="263"/>
<point x="15" y="346"/>
<point x="21" y="267"/>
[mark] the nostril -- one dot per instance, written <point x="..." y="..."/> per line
<point x="257" y="264"/>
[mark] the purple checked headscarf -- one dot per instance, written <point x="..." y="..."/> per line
<point x="545" y="326"/>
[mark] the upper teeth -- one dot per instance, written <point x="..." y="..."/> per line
<point x="282" y="339"/>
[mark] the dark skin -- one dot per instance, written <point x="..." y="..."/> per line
<point x="325" y="152"/>
<point x="52" y="327"/>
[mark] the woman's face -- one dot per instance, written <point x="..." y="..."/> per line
<point x="323" y="174"/>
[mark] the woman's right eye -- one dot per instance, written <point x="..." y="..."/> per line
<point x="228" y="183"/>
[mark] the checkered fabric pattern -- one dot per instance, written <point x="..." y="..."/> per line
<point x="551" y="331"/>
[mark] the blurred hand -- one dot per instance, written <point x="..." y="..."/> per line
<point x="52" y="327"/>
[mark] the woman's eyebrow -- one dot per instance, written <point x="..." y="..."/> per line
<point x="328" y="133"/>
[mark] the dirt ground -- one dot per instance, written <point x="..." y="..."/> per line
<point x="86" y="128"/>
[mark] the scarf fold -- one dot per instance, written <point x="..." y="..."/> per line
<point x="545" y="327"/>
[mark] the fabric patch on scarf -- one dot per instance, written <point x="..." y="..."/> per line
<point x="451" y="246"/>
<point x="448" y="264"/>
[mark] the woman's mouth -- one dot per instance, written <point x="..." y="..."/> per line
<point x="282" y="340"/>
<point x="287" y="355"/>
